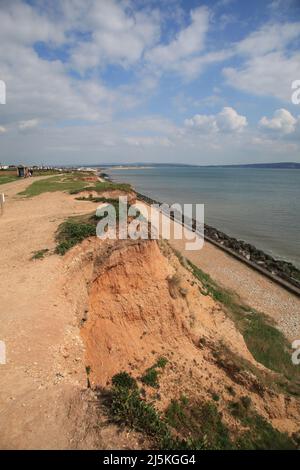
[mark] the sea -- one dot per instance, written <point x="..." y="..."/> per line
<point x="260" y="206"/>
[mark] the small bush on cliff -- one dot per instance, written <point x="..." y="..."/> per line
<point x="74" y="231"/>
<point x="128" y="407"/>
<point x="161" y="362"/>
<point x="151" y="375"/>
<point x="40" y="254"/>
<point x="202" y="421"/>
<point x="151" y="378"/>
<point x="123" y="379"/>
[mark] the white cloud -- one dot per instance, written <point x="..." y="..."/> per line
<point x="270" y="37"/>
<point x="187" y="42"/>
<point x="21" y="24"/>
<point x="137" y="141"/>
<point x="270" y="67"/>
<point x="118" y="36"/>
<point x="228" y="120"/>
<point x="2" y="129"/>
<point x="29" y="124"/>
<point x="282" y="121"/>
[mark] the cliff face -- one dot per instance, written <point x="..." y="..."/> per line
<point x="136" y="302"/>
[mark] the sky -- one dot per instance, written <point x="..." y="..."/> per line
<point x="107" y="81"/>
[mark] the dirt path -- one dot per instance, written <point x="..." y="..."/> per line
<point x="45" y="372"/>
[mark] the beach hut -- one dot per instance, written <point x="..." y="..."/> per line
<point x="22" y="171"/>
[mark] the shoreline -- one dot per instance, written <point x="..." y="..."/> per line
<point x="282" y="272"/>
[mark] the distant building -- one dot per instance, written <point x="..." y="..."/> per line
<point x="22" y="171"/>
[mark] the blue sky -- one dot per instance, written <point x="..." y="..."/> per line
<point x="102" y="81"/>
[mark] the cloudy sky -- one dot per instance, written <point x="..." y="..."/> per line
<point x="107" y="81"/>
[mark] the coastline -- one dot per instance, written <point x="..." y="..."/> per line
<point x="282" y="272"/>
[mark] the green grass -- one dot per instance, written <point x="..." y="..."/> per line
<point x="40" y="254"/>
<point x="74" y="230"/>
<point x="151" y="375"/>
<point x="52" y="184"/>
<point x="259" y="434"/>
<point x="161" y="362"/>
<point x="97" y="199"/>
<point x="72" y="183"/>
<point x="123" y="379"/>
<point x="201" y="421"/>
<point x="265" y="342"/>
<point x="190" y="425"/>
<point x="127" y="407"/>
<point x="7" y="178"/>
<point x="150" y="378"/>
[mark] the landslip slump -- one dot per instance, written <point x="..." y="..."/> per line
<point x="131" y="311"/>
<point x="136" y="303"/>
<point x="142" y="304"/>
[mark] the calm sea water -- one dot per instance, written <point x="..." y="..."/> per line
<point x="260" y="206"/>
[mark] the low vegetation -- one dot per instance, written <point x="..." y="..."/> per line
<point x="40" y="254"/>
<point x="151" y="375"/>
<point x="7" y="177"/>
<point x="73" y="183"/>
<point x="190" y="424"/>
<point x="259" y="434"/>
<point x="66" y="182"/>
<point x="265" y="342"/>
<point x="74" y="230"/>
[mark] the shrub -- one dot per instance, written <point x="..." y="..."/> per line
<point x="123" y="379"/>
<point x="150" y="378"/>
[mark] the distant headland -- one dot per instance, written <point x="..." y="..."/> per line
<point x="137" y="165"/>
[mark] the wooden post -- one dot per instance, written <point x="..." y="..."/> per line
<point x="2" y="201"/>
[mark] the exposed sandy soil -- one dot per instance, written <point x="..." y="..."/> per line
<point x="109" y="305"/>
<point x="112" y="194"/>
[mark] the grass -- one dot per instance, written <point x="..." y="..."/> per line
<point x="259" y="434"/>
<point x="201" y="421"/>
<point x="52" y="184"/>
<point x="150" y="378"/>
<point x="151" y="375"/>
<point x="40" y="254"/>
<point x="73" y="231"/>
<point x="7" y="178"/>
<point x="127" y="407"/>
<point x="191" y="425"/>
<point x="265" y="342"/>
<point x="97" y="199"/>
<point x="73" y="183"/>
